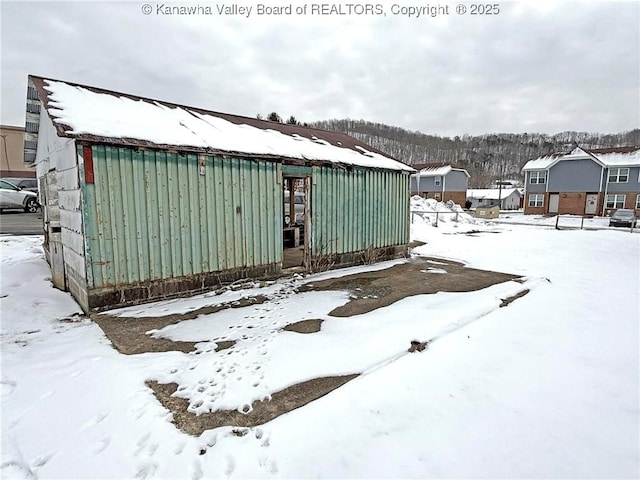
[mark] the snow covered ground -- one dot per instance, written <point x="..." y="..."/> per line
<point x="517" y="217"/>
<point x="565" y="221"/>
<point x="545" y="387"/>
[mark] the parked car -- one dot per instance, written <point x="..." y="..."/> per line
<point x="623" y="218"/>
<point x="298" y="207"/>
<point x="13" y="197"/>
<point x="30" y="184"/>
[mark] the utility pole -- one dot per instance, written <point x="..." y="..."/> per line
<point x="500" y="187"/>
<point x="501" y="168"/>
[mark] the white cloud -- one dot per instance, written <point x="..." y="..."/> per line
<point x="545" y="67"/>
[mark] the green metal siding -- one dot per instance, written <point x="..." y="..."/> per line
<point x="358" y="209"/>
<point x="150" y="215"/>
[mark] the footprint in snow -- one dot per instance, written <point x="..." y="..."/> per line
<point x="231" y="465"/>
<point x="95" y="420"/>
<point x="100" y="445"/>
<point x="179" y="447"/>
<point x="42" y="460"/>
<point x="142" y="442"/>
<point x="146" y="470"/>
<point x="8" y="386"/>
<point x="16" y="469"/>
<point x="47" y="394"/>
<point x="196" y="473"/>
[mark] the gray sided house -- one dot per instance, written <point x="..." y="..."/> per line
<point x="441" y="181"/>
<point x="583" y="182"/>
<point x="144" y="199"/>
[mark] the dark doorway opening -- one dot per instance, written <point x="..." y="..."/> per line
<point x="296" y="223"/>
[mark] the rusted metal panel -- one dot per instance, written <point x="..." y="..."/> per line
<point x="154" y="215"/>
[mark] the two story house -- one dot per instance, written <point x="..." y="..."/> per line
<point x="442" y="181"/>
<point x="583" y="182"/>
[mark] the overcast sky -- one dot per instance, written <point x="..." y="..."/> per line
<point x="539" y="66"/>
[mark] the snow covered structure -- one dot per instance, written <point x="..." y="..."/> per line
<point x="505" y="198"/>
<point x="507" y="183"/>
<point x="583" y="181"/>
<point x="145" y="199"/>
<point x="441" y="181"/>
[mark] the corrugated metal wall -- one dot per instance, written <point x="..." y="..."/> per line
<point x="359" y="209"/>
<point x="150" y="215"/>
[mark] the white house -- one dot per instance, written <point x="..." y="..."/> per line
<point x="507" y="198"/>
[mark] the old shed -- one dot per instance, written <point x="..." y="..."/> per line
<point x="145" y="199"/>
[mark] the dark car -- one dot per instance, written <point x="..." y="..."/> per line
<point x="623" y="218"/>
<point x="29" y="184"/>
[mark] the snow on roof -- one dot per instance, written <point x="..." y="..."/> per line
<point x="610" y="157"/>
<point x="614" y="159"/>
<point x="437" y="169"/>
<point x="490" y="193"/>
<point x="93" y="114"/>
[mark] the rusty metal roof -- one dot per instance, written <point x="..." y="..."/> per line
<point x="602" y="151"/>
<point x="432" y="165"/>
<point x="336" y="139"/>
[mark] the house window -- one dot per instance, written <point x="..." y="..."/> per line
<point x="32" y="93"/>
<point x="615" y="201"/>
<point x="619" y="175"/>
<point x="33" y="107"/>
<point x="637" y="202"/>
<point x="437" y="181"/>
<point x="536" y="200"/>
<point x="537" y="177"/>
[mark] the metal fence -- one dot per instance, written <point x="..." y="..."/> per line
<point x="573" y="224"/>
<point x="420" y="212"/>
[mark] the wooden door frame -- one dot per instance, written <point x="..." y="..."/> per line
<point x="288" y="180"/>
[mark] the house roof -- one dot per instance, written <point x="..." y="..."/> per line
<point x="614" y="157"/>
<point x="606" y="157"/>
<point x="102" y="116"/>
<point x="437" y="169"/>
<point x="491" y="193"/>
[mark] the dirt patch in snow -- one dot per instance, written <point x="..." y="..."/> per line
<point x="368" y="291"/>
<point x="305" y="326"/>
<point x="281" y="402"/>
<point x="129" y="334"/>
<point x="371" y="290"/>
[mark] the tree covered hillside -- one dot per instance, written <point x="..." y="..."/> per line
<point x="486" y="157"/>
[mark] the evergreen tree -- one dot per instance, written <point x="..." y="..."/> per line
<point x="274" y="117"/>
